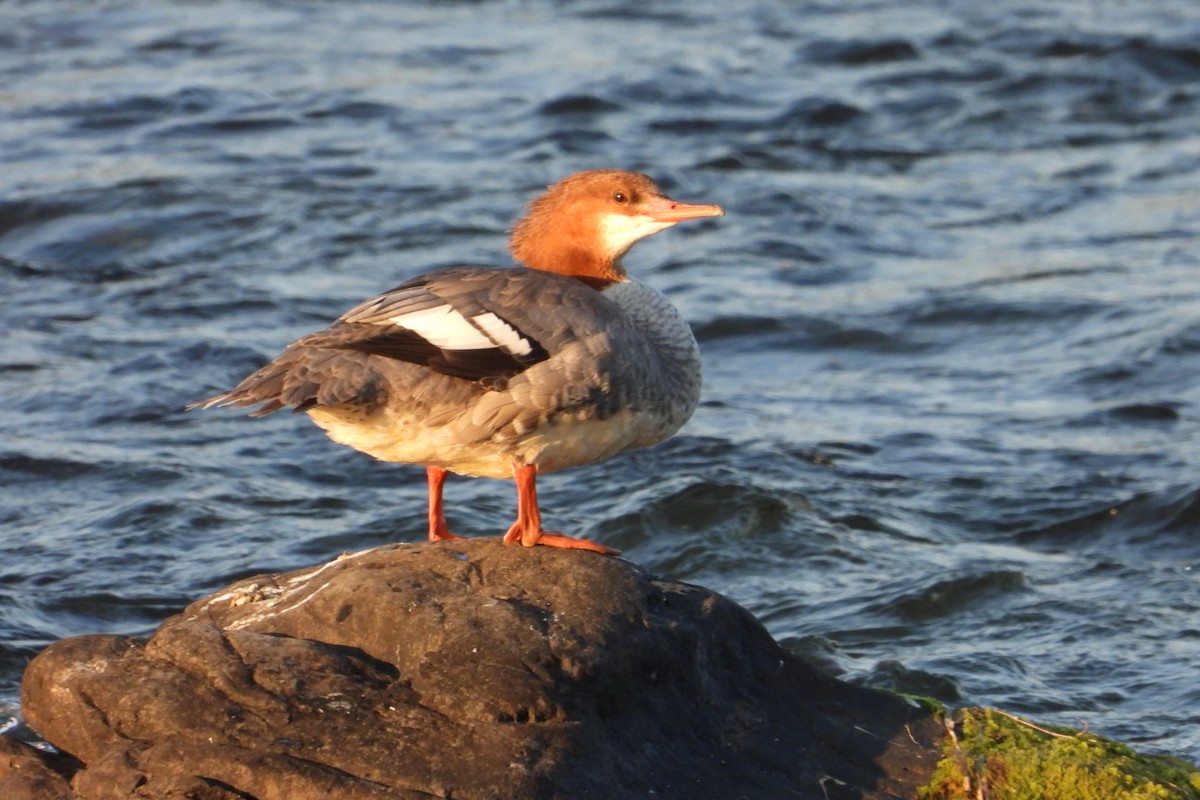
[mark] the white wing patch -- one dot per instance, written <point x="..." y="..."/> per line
<point x="445" y="327"/>
<point x="504" y="335"/>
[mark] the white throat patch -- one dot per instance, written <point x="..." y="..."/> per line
<point x="618" y="232"/>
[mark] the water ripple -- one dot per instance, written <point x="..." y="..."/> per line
<point x="949" y="330"/>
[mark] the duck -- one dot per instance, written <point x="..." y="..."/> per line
<point x="507" y="372"/>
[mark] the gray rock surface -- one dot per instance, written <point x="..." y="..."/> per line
<point x="463" y="670"/>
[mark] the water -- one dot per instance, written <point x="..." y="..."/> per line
<point x="949" y="436"/>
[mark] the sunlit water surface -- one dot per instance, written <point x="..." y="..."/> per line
<point x="951" y="327"/>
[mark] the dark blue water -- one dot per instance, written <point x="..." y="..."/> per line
<point x="951" y="323"/>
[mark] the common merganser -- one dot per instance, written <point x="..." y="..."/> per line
<point x="499" y="372"/>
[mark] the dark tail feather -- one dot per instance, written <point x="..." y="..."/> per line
<point x="302" y="378"/>
<point x="264" y="386"/>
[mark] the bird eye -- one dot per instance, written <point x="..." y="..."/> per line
<point x="620" y="197"/>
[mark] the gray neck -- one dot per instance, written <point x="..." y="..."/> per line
<point x="674" y="346"/>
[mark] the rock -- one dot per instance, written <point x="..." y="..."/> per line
<point x="467" y="669"/>
<point x="27" y="773"/>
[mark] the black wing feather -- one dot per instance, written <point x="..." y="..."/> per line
<point x="365" y="328"/>
<point x="472" y="365"/>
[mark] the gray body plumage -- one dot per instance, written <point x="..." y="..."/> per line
<point x="480" y="370"/>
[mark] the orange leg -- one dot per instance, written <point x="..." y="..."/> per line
<point x="438" y="532"/>
<point x="528" y="528"/>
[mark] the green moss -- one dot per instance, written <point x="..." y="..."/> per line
<point x="930" y="704"/>
<point x="997" y="756"/>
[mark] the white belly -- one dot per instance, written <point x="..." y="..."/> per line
<point x="551" y="446"/>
